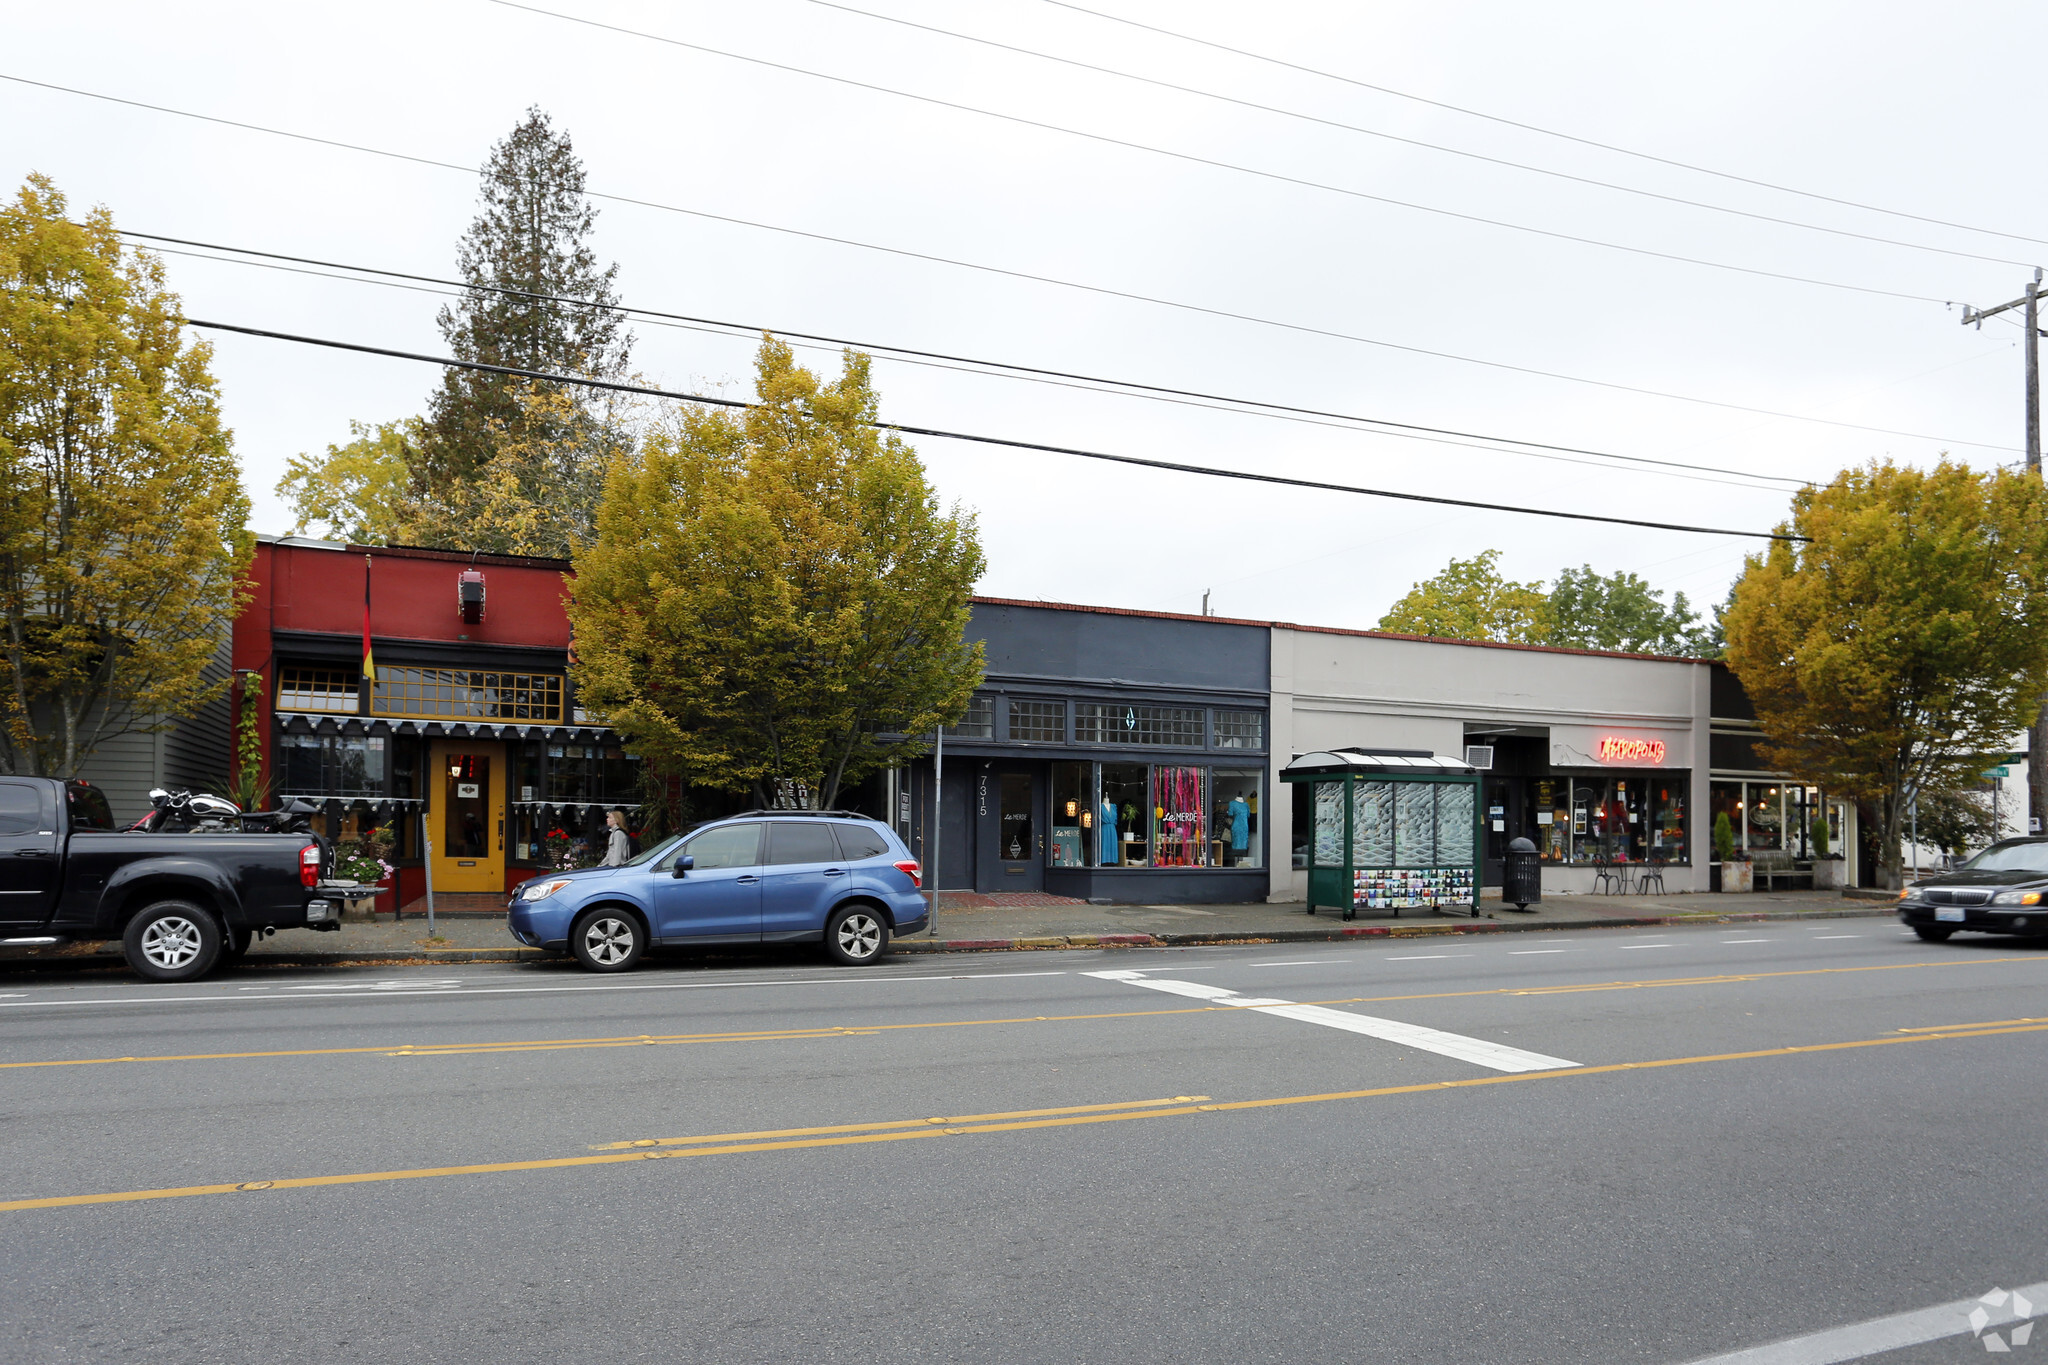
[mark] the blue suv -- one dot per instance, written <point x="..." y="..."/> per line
<point x="831" y="877"/>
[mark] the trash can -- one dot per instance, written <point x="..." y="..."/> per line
<point x="1521" y="883"/>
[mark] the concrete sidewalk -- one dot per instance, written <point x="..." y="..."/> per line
<point x="984" y="923"/>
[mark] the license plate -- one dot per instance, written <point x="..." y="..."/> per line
<point x="1949" y="914"/>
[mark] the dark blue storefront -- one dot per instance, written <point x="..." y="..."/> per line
<point x="1109" y="756"/>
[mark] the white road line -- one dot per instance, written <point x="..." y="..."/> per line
<point x="1532" y="952"/>
<point x="1478" y="1051"/>
<point x="1879" y="1335"/>
<point x="1305" y="962"/>
<point x="1749" y="940"/>
<point x="1818" y="937"/>
<point x="1427" y="957"/>
<point x="1631" y="947"/>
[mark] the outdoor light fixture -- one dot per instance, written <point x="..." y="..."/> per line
<point x="469" y="596"/>
<point x="1073" y="807"/>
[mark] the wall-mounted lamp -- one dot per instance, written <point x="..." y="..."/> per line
<point x="469" y="596"/>
<point x="1073" y="808"/>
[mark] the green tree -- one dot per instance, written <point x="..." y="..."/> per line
<point x="357" y="493"/>
<point x="1471" y="600"/>
<point x="122" y="516"/>
<point x="536" y="300"/>
<point x="1955" y="819"/>
<point x="1906" y="641"/>
<point x="773" y="594"/>
<point x="1623" y="612"/>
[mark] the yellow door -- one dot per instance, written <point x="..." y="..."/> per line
<point x="467" y="820"/>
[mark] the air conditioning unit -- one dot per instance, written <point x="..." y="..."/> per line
<point x="1479" y="755"/>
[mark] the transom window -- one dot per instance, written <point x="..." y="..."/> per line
<point x="1240" y="729"/>
<point x="332" y="691"/>
<point x="1115" y="723"/>
<point x="465" y="692"/>
<point x="1043" y="722"/>
<point x="979" y="722"/>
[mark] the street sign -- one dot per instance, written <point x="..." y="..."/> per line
<point x="1998" y="772"/>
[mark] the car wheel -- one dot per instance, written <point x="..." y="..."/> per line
<point x="236" y="943"/>
<point x="608" y="941"/>
<point x="1929" y="934"/>
<point x="857" y="935"/>
<point x="172" y="941"/>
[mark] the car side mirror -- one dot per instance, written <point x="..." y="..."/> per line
<point x="683" y="864"/>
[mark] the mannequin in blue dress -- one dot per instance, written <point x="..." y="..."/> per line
<point x="1112" y="853"/>
<point x="1240" y="827"/>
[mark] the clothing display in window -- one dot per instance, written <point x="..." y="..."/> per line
<point x="1240" y="816"/>
<point x="1112" y="855"/>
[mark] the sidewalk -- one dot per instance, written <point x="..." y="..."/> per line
<point x="971" y="922"/>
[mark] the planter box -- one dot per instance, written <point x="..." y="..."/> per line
<point x="1740" y="877"/>
<point x="1827" y="874"/>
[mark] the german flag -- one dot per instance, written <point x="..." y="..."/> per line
<point x="369" y="659"/>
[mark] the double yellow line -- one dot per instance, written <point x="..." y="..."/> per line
<point x="903" y="1130"/>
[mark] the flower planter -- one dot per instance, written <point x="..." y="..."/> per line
<point x="1738" y="877"/>
<point x="1827" y="874"/>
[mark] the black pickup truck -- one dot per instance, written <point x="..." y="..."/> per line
<point x="178" y="903"/>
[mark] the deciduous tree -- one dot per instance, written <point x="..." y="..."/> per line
<point x="775" y="596"/>
<point x="1906" y="640"/>
<point x="1621" y="611"/>
<point x="122" y="516"/>
<point x="1472" y="600"/>
<point x="358" y="492"/>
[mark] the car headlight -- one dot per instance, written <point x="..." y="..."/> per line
<point x="1911" y="893"/>
<point x="540" y="891"/>
<point x="2017" y="898"/>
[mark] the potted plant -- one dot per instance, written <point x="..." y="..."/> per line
<point x="1736" y="874"/>
<point x="359" y="863"/>
<point x="1827" y="864"/>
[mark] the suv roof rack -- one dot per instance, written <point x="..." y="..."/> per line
<point x="841" y="814"/>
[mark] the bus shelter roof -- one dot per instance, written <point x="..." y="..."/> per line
<point x="1386" y="762"/>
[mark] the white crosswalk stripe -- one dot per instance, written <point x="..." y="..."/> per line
<point x="1479" y="1051"/>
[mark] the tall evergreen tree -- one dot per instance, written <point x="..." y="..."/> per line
<point x="527" y="250"/>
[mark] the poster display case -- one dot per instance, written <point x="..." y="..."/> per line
<point x="1393" y="829"/>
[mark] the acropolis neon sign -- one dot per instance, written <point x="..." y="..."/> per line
<point x="1615" y="749"/>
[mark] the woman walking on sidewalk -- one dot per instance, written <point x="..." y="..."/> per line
<point x="618" y="846"/>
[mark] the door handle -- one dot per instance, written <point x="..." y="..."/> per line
<point x="835" y="872"/>
<point x="745" y="881"/>
<point x="31" y="853"/>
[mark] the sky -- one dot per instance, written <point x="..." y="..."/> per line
<point x="1824" y="350"/>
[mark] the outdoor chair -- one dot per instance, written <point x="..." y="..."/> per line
<point x="1652" y="874"/>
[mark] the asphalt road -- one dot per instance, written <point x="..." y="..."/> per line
<point x="1569" y="1147"/>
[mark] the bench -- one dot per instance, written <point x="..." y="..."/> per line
<point x="1769" y="867"/>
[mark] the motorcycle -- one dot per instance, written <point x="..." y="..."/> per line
<point x="186" y="812"/>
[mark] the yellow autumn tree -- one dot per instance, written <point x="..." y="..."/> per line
<point x="122" y="515"/>
<point x="1904" y="641"/>
<point x="775" y="600"/>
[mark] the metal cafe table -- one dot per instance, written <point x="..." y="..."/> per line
<point x="1391" y="829"/>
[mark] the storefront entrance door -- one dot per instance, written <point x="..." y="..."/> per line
<point x="1504" y="821"/>
<point x="466" y="820"/>
<point x="1019" y="834"/>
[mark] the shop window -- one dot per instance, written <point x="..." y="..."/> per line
<point x="333" y="765"/>
<point x="1038" y="722"/>
<point x="978" y="723"/>
<point x="1551" y="831"/>
<point x="593" y="773"/>
<point x="1075" y="817"/>
<point x="1667" y="822"/>
<point x="467" y="693"/>
<point x="1234" y="817"/>
<point x="1113" y="723"/>
<point x="1726" y="799"/>
<point x="1766" y="812"/>
<point x="1125" y="808"/>
<point x="1178" y="817"/>
<point x="324" y="690"/>
<point x="1240" y="729"/>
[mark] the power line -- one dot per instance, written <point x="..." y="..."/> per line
<point x="1003" y="369"/>
<point x="1405" y="141"/>
<point x="1245" y="475"/>
<point x="1104" y="291"/>
<point x="1537" y="128"/>
<point x="1235" y="167"/>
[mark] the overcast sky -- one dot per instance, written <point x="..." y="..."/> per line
<point x="1916" y="108"/>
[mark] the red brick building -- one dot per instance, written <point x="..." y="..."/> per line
<point x="469" y="736"/>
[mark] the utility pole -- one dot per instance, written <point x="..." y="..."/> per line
<point x="2037" y="735"/>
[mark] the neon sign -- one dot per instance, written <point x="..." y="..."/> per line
<point x="1615" y="749"/>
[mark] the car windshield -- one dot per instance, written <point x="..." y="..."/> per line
<point x="648" y="855"/>
<point x="2011" y="858"/>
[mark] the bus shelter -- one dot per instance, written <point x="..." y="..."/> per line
<point x="1391" y="829"/>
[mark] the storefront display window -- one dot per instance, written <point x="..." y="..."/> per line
<point x="1766" y="812"/>
<point x="1552" y="819"/>
<point x="1075" y="815"/>
<point x="1667" y="823"/>
<point x="1125" y="814"/>
<point x="1234" y="817"/>
<point x="334" y="765"/>
<point x="1178" y="817"/>
<point x="595" y="773"/>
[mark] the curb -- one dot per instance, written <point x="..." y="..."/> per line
<point x="1336" y="935"/>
